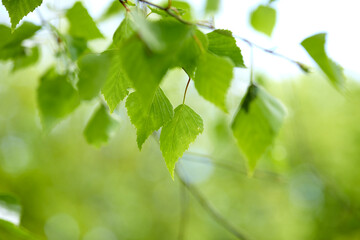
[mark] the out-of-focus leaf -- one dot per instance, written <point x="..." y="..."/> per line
<point x="114" y="8"/>
<point x="190" y="52"/>
<point x="18" y="9"/>
<point x="27" y="60"/>
<point x="213" y="78"/>
<point x="124" y="31"/>
<point x="143" y="68"/>
<point x="94" y="69"/>
<point x="263" y="19"/>
<point x="81" y="23"/>
<point x="76" y="46"/>
<point x="56" y="98"/>
<point x="11" y="43"/>
<point x="212" y="6"/>
<point x="10" y="209"/>
<point x="257" y="123"/>
<point x="315" y="46"/>
<point x="162" y="36"/>
<point x="116" y="86"/>
<point x="222" y="43"/>
<point x="9" y="231"/>
<point x="148" y="117"/>
<point x="99" y="127"/>
<point x="177" y="135"/>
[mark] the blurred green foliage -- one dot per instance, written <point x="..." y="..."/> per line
<point x="305" y="187"/>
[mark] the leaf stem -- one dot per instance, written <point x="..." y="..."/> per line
<point x="123" y="3"/>
<point x="186" y="88"/>
<point x="302" y="66"/>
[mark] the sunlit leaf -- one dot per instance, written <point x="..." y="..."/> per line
<point x="213" y="78"/>
<point x="116" y="86"/>
<point x="263" y="19"/>
<point x="10" y="209"/>
<point x="177" y="135"/>
<point x="257" y="123"/>
<point x="81" y="23"/>
<point x="222" y="43"/>
<point x="212" y="6"/>
<point x="315" y="46"/>
<point x="148" y="117"/>
<point x="18" y="9"/>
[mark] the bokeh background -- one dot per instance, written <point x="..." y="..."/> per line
<point x="307" y="186"/>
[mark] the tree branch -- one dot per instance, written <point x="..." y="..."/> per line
<point x="213" y="212"/>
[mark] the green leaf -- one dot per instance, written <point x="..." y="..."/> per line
<point x="76" y="46"/>
<point x="29" y="58"/>
<point x="143" y="68"/>
<point x="257" y="123"/>
<point x="94" y="69"/>
<point x="212" y="6"/>
<point x="263" y="19"/>
<point x="315" y="46"/>
<point x="81" y="23"/>
<point x="193" y="47"/>
<point x="56" y="98"/>
<point x="116" y="86"/>
<point x="124" y="31"/>
<point x="162" y="36"/>
<point x="99" y="127"/>
<point x="177" y="135"/>
<point x="10" y="209"/>
<point x="222" y="43"/>
<point x="114" y="9"/>
<point x="9" y="231"/>
<point x="11" y="43"/>
<point x="148" y="117"/>
<point x="213" y="78"/>
<point x="18" y="9"/>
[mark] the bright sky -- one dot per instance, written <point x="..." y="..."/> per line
<point x="297" y="19"/>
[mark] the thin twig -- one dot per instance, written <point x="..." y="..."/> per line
<point x="124" y="5"/>
<point x="213" y="212"/>
<point x="302" y="66"/>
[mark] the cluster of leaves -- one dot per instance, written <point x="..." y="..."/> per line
<point x="143" y="50"/>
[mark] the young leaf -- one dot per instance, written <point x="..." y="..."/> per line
<point x="222" y="43"/>
<point x="116" y="86"/>
<point x="212" y="6"/>
<point x="76" y="46"/>
<point x="148" y="117"/>
<point x="315" y="46"/>
<point x="263" y="19"/>
<point x="213" y="77"/>
<point x="257" y="123"/>
<point x="18" y="9"/>
<point x="144" y="69"/>
<point x="99" y="127"/>
<point x="177" y="135"/>
<point x="81" y="23"/>
<point x="56" y="98"/>
<point x="10" y="231"/>
<point x="94" y="70"/>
